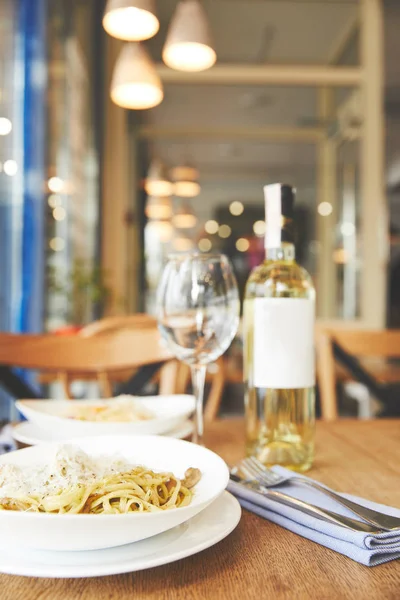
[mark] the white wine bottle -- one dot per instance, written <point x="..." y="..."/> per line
<point x="279" y="361"/>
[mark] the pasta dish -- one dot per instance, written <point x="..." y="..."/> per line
<point x="76" y="483"/>
<point x="121" y="409"/>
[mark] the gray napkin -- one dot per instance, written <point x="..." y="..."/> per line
<point x="365" y="548"/>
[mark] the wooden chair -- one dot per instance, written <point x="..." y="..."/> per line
<point x="218" y="382"/>
<point x="167" y="376"/>
<point x="110" y="324"/>
<point x="96" y="357"/>
<point x="218" y="377"/>
<point x="174" y="377"/>
<point x="373" y="348"/>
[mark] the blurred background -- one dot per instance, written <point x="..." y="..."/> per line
<point x="96" y="190"/>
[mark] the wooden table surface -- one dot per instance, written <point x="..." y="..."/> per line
<point x="259" y="559"/>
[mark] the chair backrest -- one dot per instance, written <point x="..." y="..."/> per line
<point x="168" y="374"/>
<point x="384" y="343"/>
<point x="174" y="377"/>
<point x="117" y="323"/>
<point x="119" y="350"/>
<point x="132" y="341"/>
<point x="359" y="343"/>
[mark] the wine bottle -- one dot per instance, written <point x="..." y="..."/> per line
<point x="279" y="361"/>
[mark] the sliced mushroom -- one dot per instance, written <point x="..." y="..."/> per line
<point x="192" y="476"/>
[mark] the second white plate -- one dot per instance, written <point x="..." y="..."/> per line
<point x="168" y="411"/>
<point x="30" y="434"/>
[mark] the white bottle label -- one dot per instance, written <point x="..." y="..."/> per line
<point x="284" y="343"/>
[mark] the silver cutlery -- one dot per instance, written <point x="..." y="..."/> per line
<point x="268" y="478"/>
<point x="304" y="507"/>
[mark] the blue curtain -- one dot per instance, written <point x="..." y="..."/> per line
<point x="32" y="35"/>
<point x="22" y="209"/>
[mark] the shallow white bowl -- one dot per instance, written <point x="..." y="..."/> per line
<point x="30" y="434"/>
<point x="169" y="412"/>
<point x="92" y="532"/>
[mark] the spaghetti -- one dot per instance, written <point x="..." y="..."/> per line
<point x="137" y="489"/>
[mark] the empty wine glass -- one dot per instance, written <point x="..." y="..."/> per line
<point x="198" y="315"/>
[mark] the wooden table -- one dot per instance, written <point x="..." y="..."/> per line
<point x="259" y="559"/>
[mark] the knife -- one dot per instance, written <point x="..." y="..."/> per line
<point x="238" y="484"/>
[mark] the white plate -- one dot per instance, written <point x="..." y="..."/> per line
<point x="206" y="529"/>
<point x="47" y="531"/>
<point x="169" y="412"/>
<point x="30" y="434"/>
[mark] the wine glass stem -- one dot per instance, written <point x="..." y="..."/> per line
<point x="198" y="380"/>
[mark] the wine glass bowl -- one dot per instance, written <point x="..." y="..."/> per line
<point x="198" y="314"/>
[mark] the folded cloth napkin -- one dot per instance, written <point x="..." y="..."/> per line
<point x="365" y="548"/>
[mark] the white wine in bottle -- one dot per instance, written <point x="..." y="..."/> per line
<point x="279" y="362"/>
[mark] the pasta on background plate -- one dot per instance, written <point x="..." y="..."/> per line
<point x="122" y="409"/>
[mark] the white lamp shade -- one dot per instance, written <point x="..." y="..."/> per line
<point x="187" y="189"/>
<point x="161" y="230"/>
<point x="188" y="46"/>
<point x="158" y="208"/>
<point x="184" y="218"/>
<point x="135" y="83"/>
<point x="157" y="182"/>
<point x="131" y="20"/>
<point x="183" y="243"/>
<point x="186" y="182"/>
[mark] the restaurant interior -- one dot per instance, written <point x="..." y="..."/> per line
<point x="137" y="135"/>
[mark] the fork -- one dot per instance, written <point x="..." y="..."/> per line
<point x="269" y="478"/>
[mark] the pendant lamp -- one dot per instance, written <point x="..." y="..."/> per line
<point x="184" y="218"/>
<point x="158" y="182"/>
<point x="183" y="243"/>
<point x="158" y="208"/>
<point x="135" y="83"/>
<point x="160" y="230"/>
<point x="131" y="20"/>
<point x="188" y="46"/>
<point x="185" y="180"/>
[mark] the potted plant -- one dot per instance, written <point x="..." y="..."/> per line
<point x="84" y="293"/>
